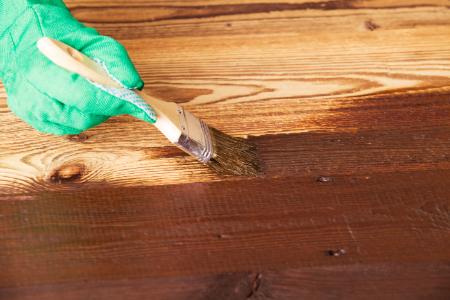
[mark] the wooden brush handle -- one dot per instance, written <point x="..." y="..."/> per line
<point x="74" y="61"/>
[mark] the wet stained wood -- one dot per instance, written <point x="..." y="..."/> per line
<point x="212" y="228"/>
<point x="349" y="105"/>
<point x="354" y="282"/>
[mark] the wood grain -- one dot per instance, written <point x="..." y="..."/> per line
<point x="385" y="134"/>
<point x="283" y="66"/>
<point x="235" y="226"/>
<point x="349" y="105"/>
<point x="411" y="281"/>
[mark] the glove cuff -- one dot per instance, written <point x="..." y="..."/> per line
<point x="10" y="10"/>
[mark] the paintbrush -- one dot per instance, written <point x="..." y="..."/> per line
<point x="223" y="153"/>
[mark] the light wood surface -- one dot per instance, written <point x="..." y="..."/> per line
<point x="349" y="105"/>
<point x="295" y="69"/>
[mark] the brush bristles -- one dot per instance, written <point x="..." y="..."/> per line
<point x="233" y="155"/>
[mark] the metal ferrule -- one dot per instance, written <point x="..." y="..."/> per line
<point x="196" y="137"/>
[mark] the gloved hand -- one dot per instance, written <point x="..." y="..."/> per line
<point x="51" y="99"/>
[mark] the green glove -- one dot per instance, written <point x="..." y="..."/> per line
<point x="51" y="99"/>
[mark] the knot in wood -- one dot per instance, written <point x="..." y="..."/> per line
<point x="324" y="179"/>
<point x="79" y="138"/>
<point x="371" y="26"/>
<point x="338" y="252"/>
<point x="68" y="173"/>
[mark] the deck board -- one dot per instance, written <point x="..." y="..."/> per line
<point x="349" y="105"/>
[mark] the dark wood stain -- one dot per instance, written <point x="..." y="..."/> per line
<point x="399" y="281"/>
<point x="227" y="286"/>
<point x="255" y="286"/>
<point x="273" y="223"/>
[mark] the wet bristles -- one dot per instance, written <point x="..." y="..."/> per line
<point x="232" y="155"/>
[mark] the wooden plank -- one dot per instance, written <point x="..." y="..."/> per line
<point x="272" y="71"/>
<point x="411" y="281"/>
<point x="233" y="226"/>
<point x="124" y="12"/>
<point x="383" y="135"/>
<point x="348" y="103"/>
